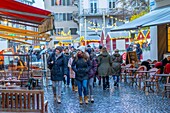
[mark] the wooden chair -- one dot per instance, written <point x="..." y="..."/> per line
<point x="127" y="72"/>
<point x="152" y="81"/>
<point x="166" y="88"/>
<point x="23" y="101"/>
<point x="122" y="71"/>
<point x="139" y="76"/>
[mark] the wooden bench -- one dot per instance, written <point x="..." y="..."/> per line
<point x="31" y="101"/>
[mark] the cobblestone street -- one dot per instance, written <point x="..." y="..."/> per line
<point x="125" y="99"/>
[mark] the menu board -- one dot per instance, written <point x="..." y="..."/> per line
<point x="131" y="56"/>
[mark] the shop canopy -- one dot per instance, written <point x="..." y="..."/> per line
<point x="93" y="38"/>
<point x="163" y="20"/>
<point x="143" y="21"/>
<point x="119" y="34"/>
<point x="19" y="11"/>
<point x="13" y="10"/>
<point x="16" y="33"/>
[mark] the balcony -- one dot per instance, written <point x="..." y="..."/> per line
<point x="105" y="11"/>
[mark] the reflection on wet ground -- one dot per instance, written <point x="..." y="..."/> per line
<point x="125" y="99"/>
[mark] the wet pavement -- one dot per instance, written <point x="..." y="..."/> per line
<point x="125" y="99"/>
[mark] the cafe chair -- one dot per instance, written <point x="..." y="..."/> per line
<point x="140" y="76"/>
<point x="153" y="80"/>
<point x="122" y="71"/>
<point x="127" y="72"/>
<point x="166" y="88"/>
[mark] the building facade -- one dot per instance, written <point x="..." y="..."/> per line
<point x="66" y="28"/>
<point x="97" y="17"/>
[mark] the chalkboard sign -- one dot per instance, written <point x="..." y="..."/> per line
<point x="131" y="56"/>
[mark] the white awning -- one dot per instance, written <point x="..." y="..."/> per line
<point x="119" y="34"/>
<point x="163" y="20"/>
<point x="146" y="19"/>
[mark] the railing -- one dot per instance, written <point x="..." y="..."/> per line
<point x="106" y="11"/>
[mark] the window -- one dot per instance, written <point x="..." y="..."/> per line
<point x="59" y="30"/>
<point x="73" y="31"/>
<point x="111" y="4"/>
<point x="63" y="16"/>
<point x="93" y="6"/>
<point x="60" y="2"/>
<point x="60" y="16"/>
<point x="69" y="16"/>
<point x="94" y="23"/>
<point x="111" y="21"/>
<point x="56" y="16"/>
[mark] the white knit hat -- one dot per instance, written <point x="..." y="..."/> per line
<point x="82" y="48"/>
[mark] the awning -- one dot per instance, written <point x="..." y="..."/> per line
<point x="144" y="20"/>
<point x="13" y="10"/>
<point x="93" y="38"/>
<point x="19" y="11"/>
<point x="163" y="20"/>
<point x="119" y="34"/>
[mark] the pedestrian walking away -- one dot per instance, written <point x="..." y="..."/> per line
<point x="104" y="67"/>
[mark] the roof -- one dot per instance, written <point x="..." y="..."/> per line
<point x="152" y="16"/>
<point x="119" y="34"/>
<point x="93" y="38"/>
<point x="163" y="20"/>
<point x="18" y="11"/>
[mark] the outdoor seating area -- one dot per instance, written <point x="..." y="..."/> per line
<point x="21" y="85"/>
<point x="149" y="81"/>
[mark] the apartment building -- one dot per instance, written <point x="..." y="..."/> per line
<point x="95" y="16"/>
<point x="66" y="27"/>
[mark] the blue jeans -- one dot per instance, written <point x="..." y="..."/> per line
<point x="116" y="78"/>
<point x="82" y="86"/>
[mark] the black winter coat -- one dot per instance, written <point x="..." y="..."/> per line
<point x="58" y="68"/>
<point x="81" y="68"/>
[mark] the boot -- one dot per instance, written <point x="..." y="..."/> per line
<point x="73" y="87"/>
<point x="107" y="85"/>
<point x="104" y="86"/>
<point x="80" y="100"/>
<point x="59" y="100"/>
<point x="76" y="88"/>
<point x="99" y="82"/>
<point x="55" y="97"/>
<point x="91" y="99"/>
<point x="86" y="99"/>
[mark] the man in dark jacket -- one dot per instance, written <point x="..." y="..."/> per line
<point x="58" y="63"/>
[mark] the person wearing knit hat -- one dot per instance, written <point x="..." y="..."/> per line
<point x="58" y="66"/>
<point x="59" y="48"/>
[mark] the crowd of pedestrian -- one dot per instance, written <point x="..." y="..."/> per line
<point x="83" y="67"/>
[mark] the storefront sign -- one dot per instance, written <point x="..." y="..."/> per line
<point x="158" y="3"/>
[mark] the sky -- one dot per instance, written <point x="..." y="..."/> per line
<point x="39" y="4"/>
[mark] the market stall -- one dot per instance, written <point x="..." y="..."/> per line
<point x="117" y="40"/>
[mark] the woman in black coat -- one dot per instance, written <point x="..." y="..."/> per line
<point x="58" y="64"/>
<point x="81" y="66"/>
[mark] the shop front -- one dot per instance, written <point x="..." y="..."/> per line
<point x="158" y="21"/>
